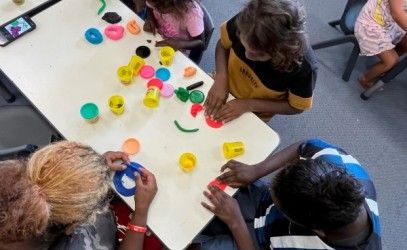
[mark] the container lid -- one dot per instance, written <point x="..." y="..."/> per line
<point x="163" y="73"/>
<point x="89" y="110"/>
<point x="143" y="51"/>
<point x="155" y="82"/>
<point x="167" y="90"/>
<point x="147" y="72"/>
<point x="131" y="146"/>
<point x="196" y="96"/>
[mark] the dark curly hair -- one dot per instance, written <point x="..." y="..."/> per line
<point x="277" y="28"/>
<point x="317" y="194"/>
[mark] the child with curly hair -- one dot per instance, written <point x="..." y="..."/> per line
<point x="264" y="60"/>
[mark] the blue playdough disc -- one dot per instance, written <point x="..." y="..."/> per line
<point x="129" y="172"/>
<point x="163" y="74"/>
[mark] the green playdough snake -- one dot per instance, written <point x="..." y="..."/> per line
<point x="102" y="8"/>
<point x="183" y="129"/>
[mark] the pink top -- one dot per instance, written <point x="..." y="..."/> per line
<point x="192" y="25"/>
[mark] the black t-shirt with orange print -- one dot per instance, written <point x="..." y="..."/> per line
<point x="258" y="80"/>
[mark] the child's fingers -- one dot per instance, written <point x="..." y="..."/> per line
<point x="137" y="179"/>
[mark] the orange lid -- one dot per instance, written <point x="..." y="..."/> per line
<point x="131" y="146"/>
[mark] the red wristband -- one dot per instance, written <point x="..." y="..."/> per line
<point x="136" y="228"/>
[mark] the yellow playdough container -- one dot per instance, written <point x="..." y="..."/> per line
<point x="187" y="161"/>
<point x="152" y="97"/>
<point x="116" y="104"/>
<point x="136" y="63"/>
<point x="125" y="74"/>
<point x="167" y="55"/>
<point x="232" y="149"/>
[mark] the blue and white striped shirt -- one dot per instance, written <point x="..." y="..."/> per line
<point x="274" y="231"/>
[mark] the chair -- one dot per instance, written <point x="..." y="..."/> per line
<point x="5" y="92"/>
<point x="390" y="75"/>
<point x="21" y="125"/>
<point x="196" y="54"/>
<point x="346" y="24"/>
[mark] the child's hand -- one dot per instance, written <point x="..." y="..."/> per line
<point x="239" y="174"/>
<point x="111" y="157"/>
<point x="217" y="96"/>
<point x="232" y="110"/>
<point x="174" y="43"/>
<point x="145" y="191"/>
<point x="224" y="207"/>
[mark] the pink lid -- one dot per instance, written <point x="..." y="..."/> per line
<point x="147" y="72"/>
<point x="167" y="90"/>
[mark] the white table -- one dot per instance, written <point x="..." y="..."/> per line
<point x="59" y="71"/>
<point x="9" y="10"/>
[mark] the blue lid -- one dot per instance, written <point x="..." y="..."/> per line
<point x="129" y="172"/>
<point x="163" y="74"/>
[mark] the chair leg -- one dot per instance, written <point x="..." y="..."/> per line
<point x="370" y="91"/>
<point x="400" y="66"/>
<point x="334" y="42"/>
<point x="6" y="94"/>
<point x="351" y="63"/>
<point x="334" y="23"/>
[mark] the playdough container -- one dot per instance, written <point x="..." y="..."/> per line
<point x="167" y="55"/>
<point x="125" y="74"/>
<point x="152" y="98"/>
<point x="136" y="63"/>
<point x="232" y="149"/>
<point x="187" y="161"/>
<point x="90" y="112"/>
<point x="116" y="104"/>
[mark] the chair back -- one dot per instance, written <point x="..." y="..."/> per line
<point x="21" y="125"/>
<point x="196" y="55"/>
<point x="350" y="14"/>
<point x="209" y="26"/>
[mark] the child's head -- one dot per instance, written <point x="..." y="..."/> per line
<point x="273" y="30"/>
<point x="24" y="211"/>
<point x="317" y="195"/>
<point x="176" y="7"/>
<point x="74" y="178"/>
<point x="60" y="186"/>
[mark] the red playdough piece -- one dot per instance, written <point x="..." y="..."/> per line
<point x="195" y="108"/>
<point x="213" y="124"/>
<point x="219" y="185"/>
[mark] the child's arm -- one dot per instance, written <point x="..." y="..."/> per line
<point x="398" y="13"/>
<point x="241" y="175"/>
<point x="227" y="209"/>
<point x="145" y="193"/>
<point x="150" y="24"/>
<point x="139" y="5"/>
<point x="177" y="44"/>
<point x="237" y="107"/>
